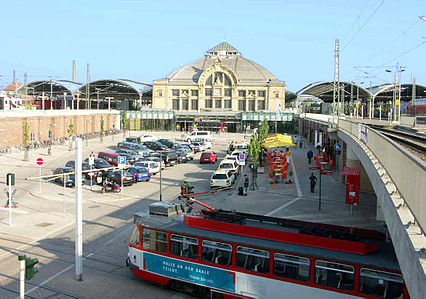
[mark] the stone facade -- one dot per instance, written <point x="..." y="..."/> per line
<point x="57" y="122"/>
<point x="223" y="81"/>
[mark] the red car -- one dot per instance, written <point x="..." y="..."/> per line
<point x="208" y="157"/>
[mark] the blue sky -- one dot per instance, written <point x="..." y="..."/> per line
<point x="146" y="40"/>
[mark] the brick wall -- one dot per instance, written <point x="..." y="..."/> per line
<point x="12" y="133"/>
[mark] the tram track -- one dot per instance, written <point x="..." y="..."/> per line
<point x="413" y="142"/>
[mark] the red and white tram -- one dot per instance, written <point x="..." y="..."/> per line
<point x="224" y="254"/>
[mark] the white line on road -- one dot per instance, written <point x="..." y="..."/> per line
<point x="282" y="207"/>
<point x="296" y="178"/>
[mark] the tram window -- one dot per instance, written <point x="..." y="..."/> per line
<point x="215" y="252"/>
<point x="154" y="240"/>
<point x="252" y="259"/>
<point x="184" y="246"/>
<point x="292" y="267"/>
<point x="334" y="275"/>
<point x="134" y="239"/>
<point x="381" y="284"/>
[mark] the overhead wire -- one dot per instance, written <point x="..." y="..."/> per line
<point x="391" y="42"/>
<point x="357" y="18"/>
<point x="363" y="25"/>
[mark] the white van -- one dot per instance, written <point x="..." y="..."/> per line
<point x="198" y="134"/>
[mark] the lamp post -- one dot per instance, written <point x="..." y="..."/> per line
<point x="397" y="92"/>
<point x="87" y="136"/>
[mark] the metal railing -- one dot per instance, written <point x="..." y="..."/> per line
<point x="407" y="171"/>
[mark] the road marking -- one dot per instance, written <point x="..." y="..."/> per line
<point x="296" y="178"/>
<point x="283" y="206"/>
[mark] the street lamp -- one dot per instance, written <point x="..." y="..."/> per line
<point x="397" y="91"/>
<point x="87" y="136"/>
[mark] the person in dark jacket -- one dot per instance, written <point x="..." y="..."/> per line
<point x="310" y="154"/>
<point x="246" y="183"/>
<point x="313" y="180"/>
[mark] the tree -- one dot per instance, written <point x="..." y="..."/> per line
<point x="125" y="123"/>
<point x="26" y="140"/>
<point x="70" y="131"/>
<point x="102" y="128"/>
<point x="254" y="150"/>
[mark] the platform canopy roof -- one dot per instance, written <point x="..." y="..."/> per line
<point x="385" y="92"/>
<point x="49" y="87"/>
<point x="324" y="91"/>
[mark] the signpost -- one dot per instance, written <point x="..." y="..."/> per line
<point x="321" y="172"/>
<point x="40" y="163"/>
<point x="242" y="159"/>
<point x="10" y="179"/>
<point x="121" y="164"/>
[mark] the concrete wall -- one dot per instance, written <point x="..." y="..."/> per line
<point x="57" y="121"/>
<point x="408" y="239"/>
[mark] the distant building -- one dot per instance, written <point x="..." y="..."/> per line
<point x="219" y="88"/>
<point x="221" y="81"/>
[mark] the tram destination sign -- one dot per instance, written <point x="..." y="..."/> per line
<point x="190" y="272"/>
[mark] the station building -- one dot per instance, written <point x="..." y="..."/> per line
<point x="222" y="89"/>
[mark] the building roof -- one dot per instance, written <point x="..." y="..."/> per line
<point x="245" y="70"/>
<point x="223" y="47"/>
<point x="12" y="86"/>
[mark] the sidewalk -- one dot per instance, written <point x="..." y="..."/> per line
<point x="295" y="200"/>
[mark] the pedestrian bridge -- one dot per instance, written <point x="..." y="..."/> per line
<point x="398" y="178"/>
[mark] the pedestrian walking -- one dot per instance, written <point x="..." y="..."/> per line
<point x="288" y="155"/>
<point x="313" y="180"/>
<point x="246" y="184"/>
<point x="310" y="154"/>
<point x="295" y="140"/>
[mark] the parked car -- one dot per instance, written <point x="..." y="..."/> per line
<point x="99" y="163"/>
<point x="115" y="176"/>
<point x="197" y="134"/>
<point x="243" y="147"/>
<point x="154" y="159"/>
<point x="197" y="147"/>
<point x="155" y="146"/>
<point x="111" y="158"/>
<point x="222" y="178"/>
<point x="231" y="165"/>
<point x="142" y="150"/>
<point x="152" y="167"/>
<point x="167" y="142"/>
<point x="206" y="142"/>
<point x="125" y="145"/>
<point x="140" y="174"/>
<point x="181" y="156"/>
<point x="126" y="151"/>
<point x="169" y="157"/>
<point x="86" y="167"/>
<point x="134" y="139"/>
<point x="68" y="178"/>
<point x="208" y="157"/>
<point x="148" y="137"/>
<point x="189" y="152"/>
<point x="233" y="158"/>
